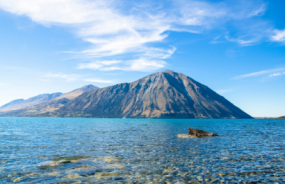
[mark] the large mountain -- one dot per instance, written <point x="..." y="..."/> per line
<point x="51" y="105"/>
<point x="21" y="103"/>
<point x="164" y="94"/>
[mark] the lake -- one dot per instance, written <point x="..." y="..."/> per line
<point x="70" y="150"/>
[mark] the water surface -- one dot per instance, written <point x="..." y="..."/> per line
<point x="57" y="150"/>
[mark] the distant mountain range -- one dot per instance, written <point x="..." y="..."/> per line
<point x="164" y="94"/>
<point x="282" y="117"/>
<point x="48" y="105"/>
<point x="21" y="103"/>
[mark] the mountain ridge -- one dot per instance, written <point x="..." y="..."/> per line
<point x="165" y="94"/>
<point x="21" y="103"/>
<point x="51" y="104"/>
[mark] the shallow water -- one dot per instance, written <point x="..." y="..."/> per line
<point x="57" y="150"/>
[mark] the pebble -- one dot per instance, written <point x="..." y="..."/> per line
<point x="118" y="178"/>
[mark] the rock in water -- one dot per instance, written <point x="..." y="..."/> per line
<point x="196" y="133"/>
<point x="200" y="133"/>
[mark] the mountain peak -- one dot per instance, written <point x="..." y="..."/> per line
<point x="75" y="93"/>
<point x="89" y="87"/>
<point x="168" y="71"/>
<point x="171" y="72"/>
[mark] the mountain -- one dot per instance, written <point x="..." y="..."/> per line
<point x="51" y="105"/>
<point x="282" y="117"/>
<point x="75" y="93"/>
<point x="21" y="103"/>
<point x="164" y="94"/>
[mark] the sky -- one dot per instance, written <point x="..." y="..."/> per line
<point x="235" y="47"/>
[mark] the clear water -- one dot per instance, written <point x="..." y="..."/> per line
<point x="55" y="150"/>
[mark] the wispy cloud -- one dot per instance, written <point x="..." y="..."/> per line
<point x="98" y="65"/>
<point x="97" y="80"/>
<point x="223" y="91"/>
<point x="264" y="72"/>
<point x="71" y="78"/>
<point x="131" y="65"/>
<point x="67" y="77"/>
<point x="277" y="74"/>
<point x="278" y="36"/>
<point x="13" y="68"/>
<point x="249" y="32"/>
<point x="127" y="29"/>
<point x="243" y="41"/>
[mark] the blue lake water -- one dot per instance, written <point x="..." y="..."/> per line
<point x="63" y="150"/>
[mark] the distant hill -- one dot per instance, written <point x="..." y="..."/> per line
<point x="164" y="94"/>
<point x="282" y="117"/>
<point x="21" y="103"/>
<point x="51" y="105"/>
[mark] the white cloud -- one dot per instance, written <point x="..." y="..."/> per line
<point x="259" y="73"/>
<point x="250" y="32"/>
<point x="116" y="28"/>
<point x="131" y="65"/>
<point x="145" y="63"/>
<point x="57" y="11"/>
<point x="277" y="74"/>
<point x="1" y="84"/>
<point x="98" y="65"/>
<point x="197" y="13"/>
<point x="243" y="41"/>
<point x="278" y="36"/>
<point x="71" y="78"/>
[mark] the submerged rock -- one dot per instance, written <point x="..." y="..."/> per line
<point x="49" y="164"/>
<point x="62" y="160"/>
<point x="196" y="133"/>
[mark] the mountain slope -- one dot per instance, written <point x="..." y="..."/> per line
<point x="50" y="105"/>
<point x="75" y="93"/>
<point x="21" y="103"/>
<point x="164" y="94"/>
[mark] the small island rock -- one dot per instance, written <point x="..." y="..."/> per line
<point x="196" y="133"/>
<point x="200" y="133"/>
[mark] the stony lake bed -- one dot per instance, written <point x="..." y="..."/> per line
<point x="70" y="150"/>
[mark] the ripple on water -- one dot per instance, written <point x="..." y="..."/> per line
<point x="41" y="150"/>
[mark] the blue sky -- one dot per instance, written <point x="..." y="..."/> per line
<point x="235" y="47"/>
